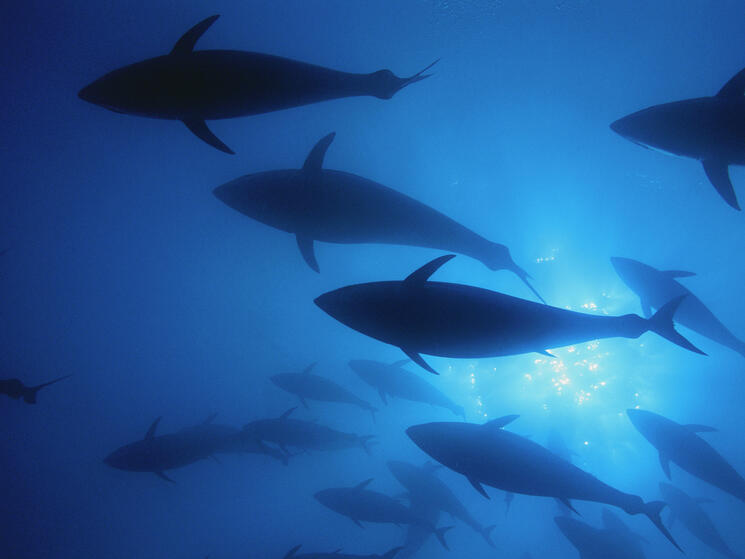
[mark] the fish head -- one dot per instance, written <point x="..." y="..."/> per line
<point x="375" y="309"/>
<point x="125" y="458"/>
<point x="363" y="368"/>
<point x="282" y="380"/>
<point x="649" y="424"/>
<point x="442" y="441"/>
<point x="636" y="275"/>
<point x="333" y="499"/>
<point x="150" y="88"/>
<point x="273" y="197"/>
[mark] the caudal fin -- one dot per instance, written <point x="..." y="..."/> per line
<point x="661" y="323"/>
<point x="384" y="84"/>
<point x="440" y="535"/>
<point x="652" y="511"/>
<point x="29" y="395"/>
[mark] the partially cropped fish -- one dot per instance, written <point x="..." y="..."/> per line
<point x="293" y="554"/>
<point x="305" y="435"/>
<point x="317" y="204"/>
<point x="195" y="86"/>
<point x="307" y="386"/>
<point x="14" y="388"/>
<point x="454" y="320"/>
<point x="681" y="444"/>
<point x="489" y="455"/>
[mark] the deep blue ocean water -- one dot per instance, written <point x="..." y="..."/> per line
<point x="124" y="270"/>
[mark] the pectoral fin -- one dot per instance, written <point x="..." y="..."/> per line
<point x="718" y="174"/>
<point x="665" y="463"/>
<point x="416" y="358"/>
<point x="478" y="487"/>
<point x="199" y="128"/>
<point x="305" y="244"/>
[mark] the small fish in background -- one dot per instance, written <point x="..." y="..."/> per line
<point x="593" y="543"/>
<point x="625" y="536"/>
<point x="688" y="510"/>
<point x="285" y="432"/>
<point x="196" y="86"/>
<point x="308" y="386"/>
<point x="293" y="554"/>
<point x="709" y="129"/>
<point x="416" y="536"/>
<point x="489" y="455"/>
<point x="655" y="288"/>
<point x="681" y="444"/>
<point x="317" y="204"/>
<point x="14" y="388"/>
<point x="461" y="321"/>
<point x="363" y="505"/>
<point x="391" y="379"/>
<point x="428" y="491"/>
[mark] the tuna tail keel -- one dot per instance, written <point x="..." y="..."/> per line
<point x="652" y="511"/>
<point x="661" y="323"/>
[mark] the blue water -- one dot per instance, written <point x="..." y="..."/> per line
<point x="125" y="271"/>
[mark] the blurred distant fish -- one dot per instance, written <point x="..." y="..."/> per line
<point x="363" y="505"/>
<point x="688" y="510"/>
<point x="710" y="129"/>
<point x="655" y="288"/>
<point x="680" y="444"/>
<point x="307" y="386"/>
<point x="305" y="435"/>
<point x="593" y="543"/>
<point x="293" y="554"/>
<point x="195" y="86"/>
<point x="393" y="380"/>
<point x="15" y="389"/>
<point x="455" y="320"/>
<point x="489" y="455"/>
<point x="317" y="204"/>
<point x="426" y="489"/>
<point x="417" y="536"/>
<point x="625" y="537"/>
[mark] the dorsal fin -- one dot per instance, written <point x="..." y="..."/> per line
<point x="314" y="161"/>
<point x="287" y="413"/>
<point x="361" y="486"/>
<point x="151" y="431"/>
<point x="734" y="87"/>
<point x="400" y="363"/>
<point x="186" y="43"/>
<point x="500" y="422"/>
<point x="678" y="274"/>
<point x="210" y="418"/>
<point x="309" y="368"/>
<point x="696" y="428"/>
<point x="422" y="274"/>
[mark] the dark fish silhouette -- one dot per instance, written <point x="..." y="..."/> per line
<point x="426" y="489"/>
<point x="15" y="389"/>
<point x="626" y="538"/>
<point x="293" y="554"/>
<point x="489" y="455"/>
<point x="307" y="386"/>
<point x="195" y="86"/>
<point x="657" y="287"/>
<point x="454" y="320"/>
<point x="417" y="536"/>
<point x="395" y="381"/>
<point x="363" y="505"/>
<point x="317" y="204"/>
<point x="593" y="543"/>
<point x="688" y="510"/>
<point x="306" y="435"/>
<point x="709" y="129"/>
<point x="680" y="444"/>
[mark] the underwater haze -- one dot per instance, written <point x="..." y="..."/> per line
<point x="123" y="269"/>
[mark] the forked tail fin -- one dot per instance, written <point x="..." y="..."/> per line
<point x="29" y="395"/>
<point x="652" y="511"/>
<point x="384" y="84"/>
<point x="661" y="323"/>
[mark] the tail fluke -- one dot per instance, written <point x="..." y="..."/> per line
<point x="419" y="76"/>
<point x="661" y="323"/>
<point x="526" y="277"/>
<point x="30" y="394"/>
<point x="652" y="511"/>
<point x="384" y="84"/>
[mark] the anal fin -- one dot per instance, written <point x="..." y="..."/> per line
<point x="305" y="244"/>
<point x="199" y="128"/>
